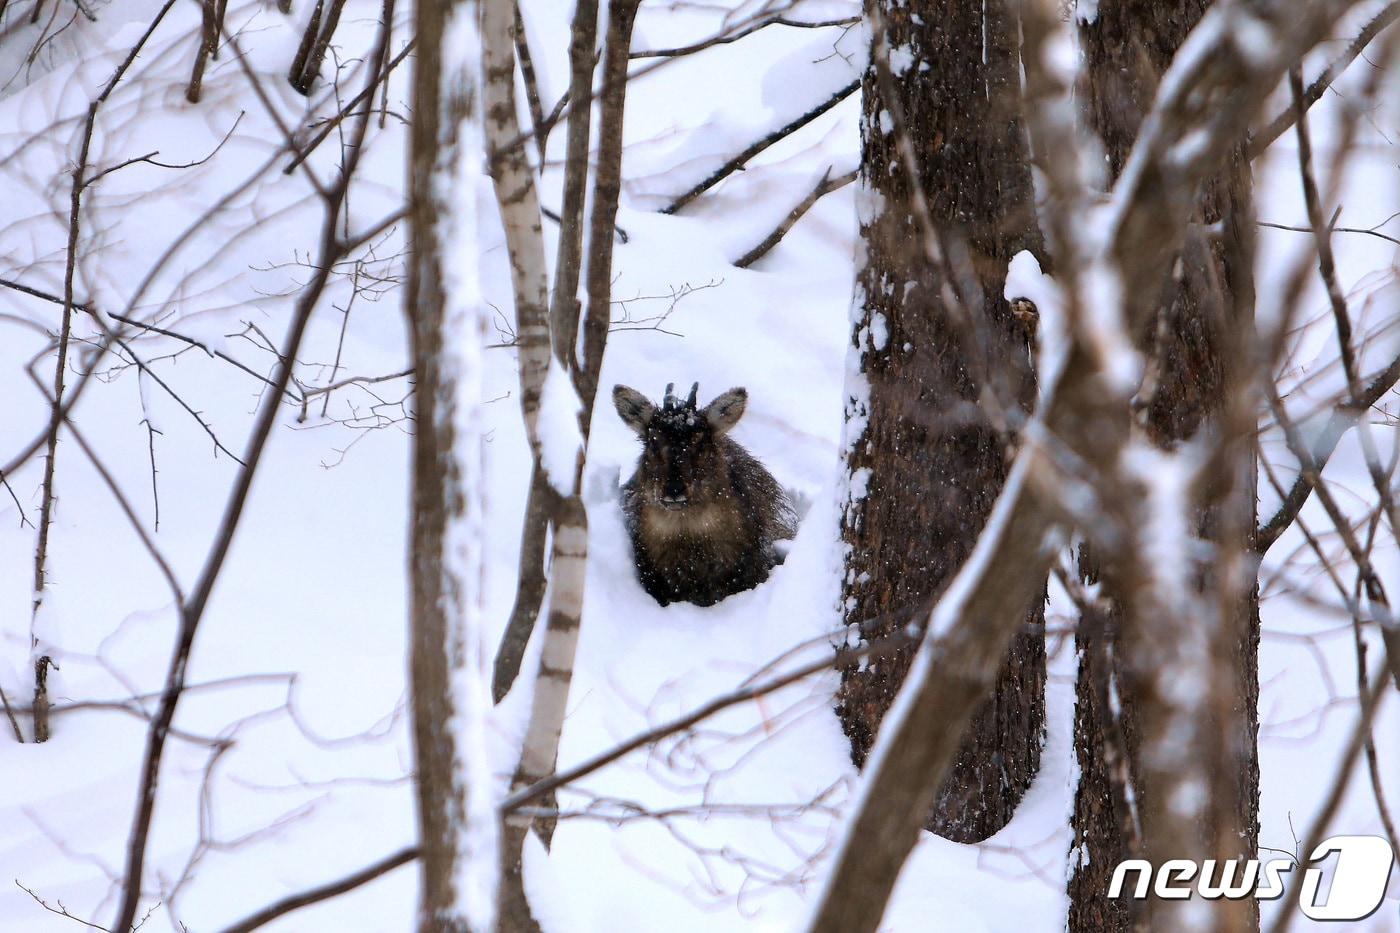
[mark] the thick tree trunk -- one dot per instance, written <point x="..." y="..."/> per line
<point x="1191" y="345"/>
<point x="948" y="377"/>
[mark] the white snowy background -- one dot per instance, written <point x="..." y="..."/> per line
<point x="292" y="761"/>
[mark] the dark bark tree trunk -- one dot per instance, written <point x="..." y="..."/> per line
<point x="443" y="626"/>
<point x="947" y="369"/>
<point x="1206" y="306"/>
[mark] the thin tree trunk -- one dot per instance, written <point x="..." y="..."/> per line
<point x="564" y="307"/>
<point x="519" y="203"/>
<point x="447" y="665"/>
<point x="1191" y="345"/>
<point x="563" y="322"/>
<point x="312" y="69"/>
<point x="529" y="589"/>
<point x="607" y="186"/>
<point x="518" y="200"/>
<point x="208" y="45"/>
<point x="308" y="39"/>
<point x="928" y="462"/>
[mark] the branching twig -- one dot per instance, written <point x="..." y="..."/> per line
<point x="1281" y="123"/>
<point x="1343" y="416"/>
<point x="823" y="188"/>
<point x="192" y="609"/>
<point x="57" y="412"/>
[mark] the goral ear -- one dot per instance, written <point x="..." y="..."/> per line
<point x="724" y="412"/>
<point x="634" y="408"/>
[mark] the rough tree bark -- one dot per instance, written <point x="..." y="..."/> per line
<point x="925" y="461"/>
<point x="449" y="697"/>
<point x="1083" y="426"/>
<point x="1191" y="344"/>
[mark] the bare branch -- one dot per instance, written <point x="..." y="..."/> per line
<point x="324" y="892"/>
<point x="738" y="161"/>
<point x="192" y="608"/>
<point x="823" y="188"/>
<point x="725" y="38"/>
<point x="1284" y="121"/>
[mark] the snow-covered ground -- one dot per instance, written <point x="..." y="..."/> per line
<point x="292" y="759"/>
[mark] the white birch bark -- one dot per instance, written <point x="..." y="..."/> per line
<point x="519" y="204"/>
<point x="518" y="201"/>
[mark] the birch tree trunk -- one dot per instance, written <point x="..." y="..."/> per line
<point x="450" y="698"/>
<point x="518" y="199"/>
<point x="924" y="459"/>
<point x="1195" y="345"/>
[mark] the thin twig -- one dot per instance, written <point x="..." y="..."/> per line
<point x="58" y="412"/>
<point x="1297" y="229"/>
<point x="1343" y="416"/>
<point x="192" y="609"/>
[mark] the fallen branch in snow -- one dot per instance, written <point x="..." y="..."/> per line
<point x="823" y="188"/>
<point x="737" y="162"/>
<point x="324" y="892"/>
<point x="724" y="38"/>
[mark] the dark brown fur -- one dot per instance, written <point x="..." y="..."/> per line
<point x="702" y="513"/>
